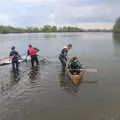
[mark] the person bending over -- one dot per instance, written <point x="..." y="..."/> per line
<point x="64" y="54"/>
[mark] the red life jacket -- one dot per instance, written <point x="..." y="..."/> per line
<point x="32" y="51"/>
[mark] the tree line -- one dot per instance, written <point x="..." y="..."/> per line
<point x="46" y="28"/>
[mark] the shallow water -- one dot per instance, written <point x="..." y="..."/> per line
<point x="49" y="94"/>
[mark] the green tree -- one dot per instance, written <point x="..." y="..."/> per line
<point x="116" y="28"/>
<point x="54" y="29"/>
<point x="46" y="28"/>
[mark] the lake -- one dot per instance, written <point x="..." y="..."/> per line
<point x="50" y="95"/>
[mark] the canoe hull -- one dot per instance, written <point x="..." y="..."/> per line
<point x="76" y="79"/>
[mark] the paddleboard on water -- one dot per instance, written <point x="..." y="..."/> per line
<point x="9" y="61"/>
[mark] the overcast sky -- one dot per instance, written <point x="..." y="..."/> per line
<point x="84" y="13"/>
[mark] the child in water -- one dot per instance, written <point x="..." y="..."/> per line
<point x="74" y="66"/>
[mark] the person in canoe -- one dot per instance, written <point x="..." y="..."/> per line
<point x="74" y="66"/>
<point x="64" y="54"/>
<point x="15" y="57"/>
<point x="33" y="53"/>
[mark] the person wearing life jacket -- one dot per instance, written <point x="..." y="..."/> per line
<point x="64" y="54"/>
<point x="74" y="66"/>
<point x="32" y="52"/>
<point x="15" y="57"/>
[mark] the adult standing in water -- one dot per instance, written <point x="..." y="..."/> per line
<point x="15" y="57"/>
<point x="64" y="54"/>
<point x="32" y="52"/>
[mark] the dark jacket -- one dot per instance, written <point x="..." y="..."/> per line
<point x="15" y="55"/>
<point x="64" y="53"/>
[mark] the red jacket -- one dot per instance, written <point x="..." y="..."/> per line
<point x="32" y="51"/>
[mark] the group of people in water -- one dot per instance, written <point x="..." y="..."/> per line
<point x="15" y="56"/>
<point x="74" y="65"/>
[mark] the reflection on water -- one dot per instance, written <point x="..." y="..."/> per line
<point x="14" y="78"/>
<point x="33" y="73"/>
<point x="116" y="40"/>
<point x="49" y="36"/>
<point x="67" y="84"/>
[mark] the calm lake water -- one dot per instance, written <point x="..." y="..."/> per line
<point x="51" y="95"/>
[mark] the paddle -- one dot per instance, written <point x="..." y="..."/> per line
<point x="89" y="70"/>
<point x="89" y="81"/>
<point x="86" y="69"/>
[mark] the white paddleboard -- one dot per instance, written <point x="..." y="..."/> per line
<point x="9" y="61"/>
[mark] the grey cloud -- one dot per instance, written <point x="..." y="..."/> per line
<point x="89" y="13"/>
<point x="64" y="12"/>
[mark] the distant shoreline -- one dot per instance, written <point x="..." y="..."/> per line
<point x="48" y="29"/>
<point x="58" y="32"/>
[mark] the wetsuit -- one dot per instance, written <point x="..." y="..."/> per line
<point x="32" y="52"/>
<point x="15" y="57"/>
<point x="74" y="67"/>
<point x="63" y="56"/>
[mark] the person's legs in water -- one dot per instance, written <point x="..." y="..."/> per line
<point x="62" y="62"/>
<point x="13" y="65"/>
<point x="32" y="61"/>
<point x="17" y="66"/>
<point x="36" y="60"/>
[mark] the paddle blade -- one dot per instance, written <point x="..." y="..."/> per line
<point x="89" y="70"/>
